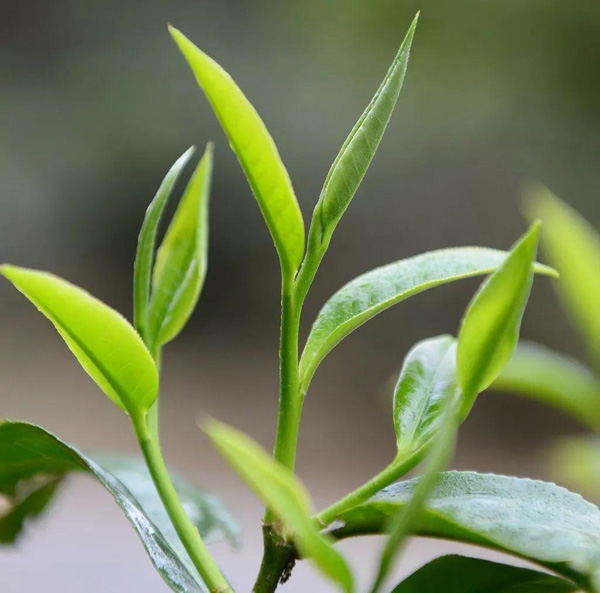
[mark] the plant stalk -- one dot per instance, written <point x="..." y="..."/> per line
<point x="187" y="532"/>
<point x="290" y="402"/>
<point x="393" y="472"/>
<point x="276" y="553"/>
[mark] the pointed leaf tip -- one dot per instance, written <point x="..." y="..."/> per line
<point x="99" y="337"/>
<point x="256" y="152"/>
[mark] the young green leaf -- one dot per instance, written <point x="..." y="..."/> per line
<point x="33" y="462"/>
<point x="534" y="520"/>
<point x="104" y="343"/>
<point x="459" y="574"/>
<point x="278" y="488"/>
<point x="555" y="379"/>
<point x="360" y="147"/>
<point x="489" y="330"/>
<point x="146" y="243"/>
<point x="426" y="383"/>
<point x="573" y="246"/>
<point x="181" y="260"/>
<point x="407" y="519"/>
<point x="377" y="290"/>
<point x="255" y="150"/>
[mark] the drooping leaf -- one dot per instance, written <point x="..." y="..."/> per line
<point x="281" y="491"/>
<point x="360" y="147"/>
<point x="575" y="461"/>
<point x="181" y="260"/>
<point x="555" y="379"/>
<point x="104" y="343"/>
<point x="255" y="150"/>
<point x="489" y="330"/>
<point x="377" y="290"/>
<point x="146" y="244"/>
<point x="573" y="247"/>
<point x="534" y="520"/>
<point x="459" y="574"/>
<point x="426" y="382"/>
<point x="407" y="518"/>
<point x="33" y="462"/>
<point x="210" y="516"/>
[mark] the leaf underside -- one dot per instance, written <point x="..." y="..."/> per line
<point x="33" y="462"/>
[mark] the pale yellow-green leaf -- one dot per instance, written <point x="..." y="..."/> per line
<point x="279" y="489"/>
<point x="105" y="344"/>
<point x="489" y="330"/>
<point x="181" y="261"/>
<point x="256" y="151"/>
<point x="573" y="247"/>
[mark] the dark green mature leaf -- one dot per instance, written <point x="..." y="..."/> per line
<point x="426" y="383"/>
<point x="573" y="246"/>
<point x="146" y="244"/>
<point x="102" y="340"/>
<point x="281" y="491"/>
<point x="459" y="574"/>
<point x="181" y="261"/>
<point x="255" y="150"/>
<point x="489" y="331"/>
<point x="535" y="520"/>
<point x="377" y="290"/>
<point x="555" y="379"/>
<point x="33" y="462"/>
<point x="360" y="147"/>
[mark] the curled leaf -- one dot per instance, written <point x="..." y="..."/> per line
<point x="489" y="331"/>
<point x="181" y="260"/>
<point x="146" y="243"/>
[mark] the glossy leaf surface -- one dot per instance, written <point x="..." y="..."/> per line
<point x="459" y="574"/>
<point x="535" y="520"/>
<point x="489" y="331"/>
<point x="360" y="147"/>
<point x="146" y="244"/>
<point x="101" y="339"/>
<point x="255" y="150"/>
<point x="181" y="261"/>
<point x="281" y="491"/>
<point x="442" y="438"/>
<point x="426" y="383"/>
<point x="573" y="247"/>
<point x="554" y="379"/>
<point x="377" y="290"/>
<point x="34" y="461"/>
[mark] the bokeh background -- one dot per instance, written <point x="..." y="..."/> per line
<point x="97" y="103"/>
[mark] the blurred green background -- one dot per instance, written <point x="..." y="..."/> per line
<point x="97" y="103"/>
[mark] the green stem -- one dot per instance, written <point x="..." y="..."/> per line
<point x="388" y="476"/>
<point x="277" y="563"/>
<point x="275" y="555"/>
<point x="290" y="403"/>
<point x="187" y="532"/>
